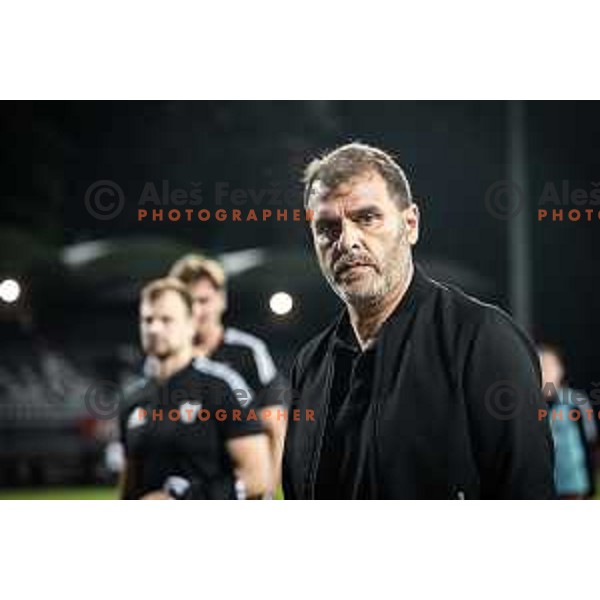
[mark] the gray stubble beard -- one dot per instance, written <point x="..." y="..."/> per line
<point x="391" y="278"/>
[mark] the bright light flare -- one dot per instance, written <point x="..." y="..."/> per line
<point x="281" y="303"/>
<point x="10" y="290"/>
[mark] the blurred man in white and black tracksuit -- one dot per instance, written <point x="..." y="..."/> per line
<point x="243" y="352"/>
<point x="184" y="431"/>
<point x="418" y="390"/>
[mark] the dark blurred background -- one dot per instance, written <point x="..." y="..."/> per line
<point x="74" y="321"/>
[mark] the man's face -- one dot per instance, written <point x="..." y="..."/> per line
<point x="552" y="369"/>
<point x="166" y="325"/>
<point x="362" y="238"/>
<point x="209" y="304"/>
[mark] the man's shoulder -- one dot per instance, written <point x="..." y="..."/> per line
<point x="232" y="336"/>
<point x="470" y="322"/>
<point x="134" y="385"/>
<point x="257" y="350"/>
<point x="221" y="377"/>
<point x="134" y="392"/>
<point x="468" y="312"/>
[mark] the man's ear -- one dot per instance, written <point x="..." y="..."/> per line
<point x="412" y="219"/>
<point x="224" y="300"/>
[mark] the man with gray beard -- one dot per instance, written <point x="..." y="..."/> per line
<point x="410" y="385"/>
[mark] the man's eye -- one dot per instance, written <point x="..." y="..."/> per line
<point x="367" y="218"/>
<point x="325" y="229"/>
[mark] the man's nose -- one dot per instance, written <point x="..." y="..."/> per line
<point x="154" y="327"/>
<point x="350" y="238"/>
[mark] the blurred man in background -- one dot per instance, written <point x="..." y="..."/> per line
<point x="170" y="451"/>
<point x="241" y="351"/>
<point x="403" y="383"/>
<point x="574" y="439"/>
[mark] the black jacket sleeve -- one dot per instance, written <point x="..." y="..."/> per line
<point x="245" y="421"/>
<point x="275" y="394"/>
<point x="502" y="385"/>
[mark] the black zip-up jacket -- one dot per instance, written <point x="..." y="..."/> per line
<point x="453" y="407"/>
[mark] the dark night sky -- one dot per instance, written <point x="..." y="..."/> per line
<point x="452" y="152"/>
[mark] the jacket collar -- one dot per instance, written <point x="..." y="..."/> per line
<point x="344" y="337"/>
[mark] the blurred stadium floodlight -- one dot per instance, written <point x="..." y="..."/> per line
<point x="234" y="263"/>
<point x="237" y="262"/>
<point x="10" y="290"/>
<point x="281" y="303"/>
<point x="79" y="254"/>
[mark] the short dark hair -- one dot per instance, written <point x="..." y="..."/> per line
<point x="155" y="289"/>
<point x="350" y="160"/>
